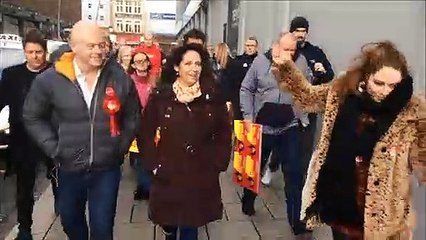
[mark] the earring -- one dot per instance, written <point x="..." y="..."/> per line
<point x="177" y="73"/>
<point x="361" y="87"/>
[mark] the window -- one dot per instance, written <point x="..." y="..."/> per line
<point x="101" y="18"/>
<point x="89" y="17"/>
<point x="89" y="5"/>
<point x="121" y="8"/>
<point x="139" y="10"/>
<point x="101" y="6"/>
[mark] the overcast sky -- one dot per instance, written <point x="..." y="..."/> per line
<point x="161" y="6"/>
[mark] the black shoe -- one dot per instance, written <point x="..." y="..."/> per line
<point x="24" y="235"/>
<point x="140" y="195"/>
<point x="247" y="206"/>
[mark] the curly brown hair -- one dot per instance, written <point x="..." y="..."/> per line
<point x="372" y="58"/>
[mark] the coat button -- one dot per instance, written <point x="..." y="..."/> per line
<point x="190" y="148"/>
<point x="376" y="183"/>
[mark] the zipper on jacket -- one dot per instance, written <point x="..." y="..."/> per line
<point x="91" y="115"/>
<point x="92" y="121"/>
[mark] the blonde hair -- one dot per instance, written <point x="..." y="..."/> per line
<point x="121" y="52"/>
<point x="222" y="54"/>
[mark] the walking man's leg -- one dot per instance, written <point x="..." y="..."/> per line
<point x="292" y="167"/>
<point x="102" y="197"/>
<point x="72" y="197"/>
<point x="248" y="195"/>
<point x="26" y="174"/>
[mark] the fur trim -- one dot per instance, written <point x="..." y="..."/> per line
<point x="65" y="66"/>
<point x="307" y="97"/>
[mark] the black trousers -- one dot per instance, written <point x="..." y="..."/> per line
<point x="26" y="172"/>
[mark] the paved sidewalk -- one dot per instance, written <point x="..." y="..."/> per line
<point x="269" y="223"/>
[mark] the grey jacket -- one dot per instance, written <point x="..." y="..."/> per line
<point x="259" y="87"/>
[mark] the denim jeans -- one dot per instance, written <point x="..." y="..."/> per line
<point x="100" y="190"/>
<point x="185" y="233"/>
<point x="143" y="177"/>
<point x="286" y="148"/>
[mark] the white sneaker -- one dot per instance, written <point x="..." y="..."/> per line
<point x="267" y="177"/>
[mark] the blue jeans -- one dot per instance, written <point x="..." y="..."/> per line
<point x="144" y="177"/>
<point x="186" y="233"/>
<point x="286" y="148"/>
<point x="100" y="190"/>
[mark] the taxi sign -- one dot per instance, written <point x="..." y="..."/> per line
<point x="10" y="41"/>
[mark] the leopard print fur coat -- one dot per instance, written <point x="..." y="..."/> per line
<point x="400" y="153"/>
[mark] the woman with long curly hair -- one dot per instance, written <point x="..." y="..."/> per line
<point x="373" y="139"/>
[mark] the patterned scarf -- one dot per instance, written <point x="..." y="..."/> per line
<point x="186" y="94"/>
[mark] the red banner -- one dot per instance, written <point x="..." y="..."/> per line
<point x="247" y="154"/>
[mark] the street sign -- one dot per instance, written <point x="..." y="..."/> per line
<point x="162" y="16"/>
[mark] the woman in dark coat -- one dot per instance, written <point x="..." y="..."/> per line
<point x="193" y="148"/>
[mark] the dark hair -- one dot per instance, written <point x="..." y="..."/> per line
<point x="194" y="33"/>
<point x="131" y="70"/>
<point x="35" y="36"/>
<point x="372" y="58"/>
<point x="168" y="75"/>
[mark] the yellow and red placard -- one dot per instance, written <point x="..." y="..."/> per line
<point x="134" y="147"/>
<point x="247" y="153"/>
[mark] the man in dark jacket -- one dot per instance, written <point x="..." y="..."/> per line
<point x="25" y="155"/>
<point x="322" y="73"/>
<point x="238" y="68"/>
<point x="317" y="60"/>
<point x="84" y="113"/>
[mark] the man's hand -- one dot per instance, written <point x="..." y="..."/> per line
<point x="319" y="67"/>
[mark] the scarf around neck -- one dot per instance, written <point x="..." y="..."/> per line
<point x="337" y="183"/>
<point x="186" y="94"/>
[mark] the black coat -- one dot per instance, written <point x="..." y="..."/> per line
<point x="236" y="71"/>
<point x="58" y="118"/>
<point x="314" y="54"/>
<point x="14" y="86"/>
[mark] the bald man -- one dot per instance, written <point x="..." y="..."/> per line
<point x="83" y="112"/>
<point x="263" y="102"/>
<point x="153" y="51"/>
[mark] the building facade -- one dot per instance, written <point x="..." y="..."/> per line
<point x="17" y="16"/>
<point x="98" y="11"/>
<point x="129" y="16"/>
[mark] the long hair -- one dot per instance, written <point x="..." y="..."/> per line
<point x="222" y="54"/>
<point x="169" y="74"/>
<point x="372" y="58"/>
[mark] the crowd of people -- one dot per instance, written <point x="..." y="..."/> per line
<point x="83" y="112"/>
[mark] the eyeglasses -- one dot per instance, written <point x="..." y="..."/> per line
<point x="140" y="61"/>
<point x="101" y="45"/>
<point x="250" y="45"/>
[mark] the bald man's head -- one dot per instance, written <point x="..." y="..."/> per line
<point x="287" y="43"/>
<point x="87" y="41"/>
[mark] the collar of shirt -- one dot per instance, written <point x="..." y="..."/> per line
<point x="81" y="79"/>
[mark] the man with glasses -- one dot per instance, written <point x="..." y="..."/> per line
<point x="238" y="68"/>
<point x="84" y="113"/>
